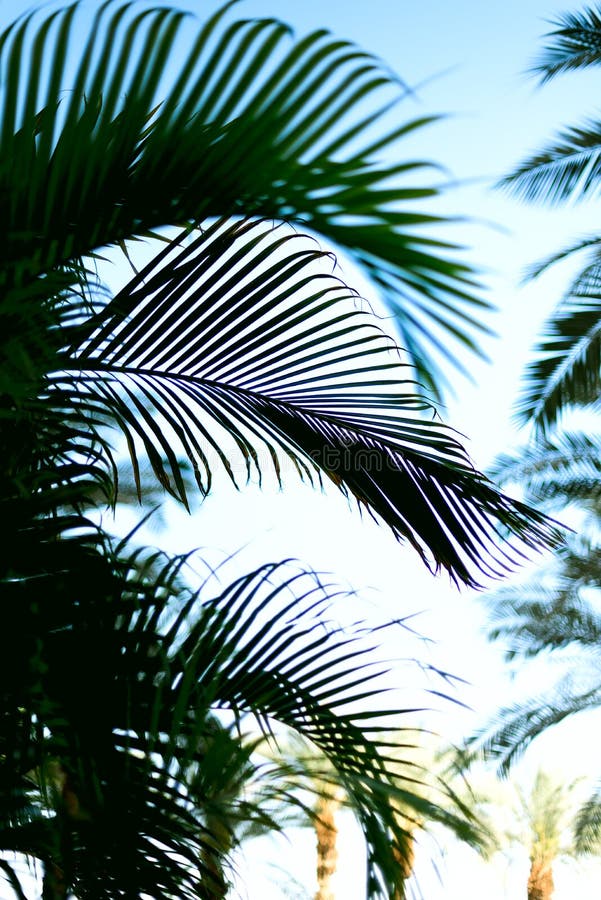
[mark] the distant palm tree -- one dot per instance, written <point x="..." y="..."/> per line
<point x="539" y="821"/>
<point x="555" y="612"/>
<point x="431" y="799"/>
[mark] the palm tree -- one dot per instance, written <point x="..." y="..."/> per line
<point x="554" y="612"/>
<point x="424" y="795"/>
<point x="233" y="343"/>
<point x="567" y="368"/>
<point x="545" y="813"/>
<point x="539" y="820"/>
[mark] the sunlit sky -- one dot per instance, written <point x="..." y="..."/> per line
<point x="467" y="60"/>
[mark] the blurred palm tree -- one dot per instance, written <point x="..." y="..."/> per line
<point x="555" y="613"/>
<point x="540" y="821"/>
<point x="422" y="796"/>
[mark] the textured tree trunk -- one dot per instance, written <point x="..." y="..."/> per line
<point x="327" y="850"/>
<point x="218" y="844"/>
<point x="405" y="857"/>
<point x="540" y="881"/>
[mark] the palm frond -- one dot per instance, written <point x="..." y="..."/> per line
<point x="567" y="168"/>
<point x="566" y="371"/>
<point x="150" y="121"/>
<point x="591" y="243"/>
<point x="562" y="467"/>
<point x="587" y="827"/>
<point x="574" y="43"/>
<point x="200" y="350"/>
<point x="531" y="619"/>
<point x="514" y="727"/>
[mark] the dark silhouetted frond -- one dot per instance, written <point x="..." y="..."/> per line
<point x="203" y="355"/>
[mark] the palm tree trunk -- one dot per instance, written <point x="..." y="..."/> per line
<point x="405" y="857"/>
<point x="327" y="850"/>
<point x="54" y="885"/>
<point x="216" y="847"/>
<point x="540" y="880"/>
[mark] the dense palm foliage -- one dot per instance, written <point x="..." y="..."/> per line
<point x="234" y="343"/>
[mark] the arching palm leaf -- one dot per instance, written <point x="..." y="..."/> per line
<point x="575" y="44"/>
<point x="201" y="348"/>
<point x="567" y="167"/>
<point x="566" y="371"/>
<point x="102" y="148"/>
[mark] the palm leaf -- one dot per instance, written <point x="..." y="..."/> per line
<point x="567" y="168"/>
<point x="516" y="726"/>
<point x="130" y="130"/>
<point x="575" y="44"/>
<point x="563" y="467"/>
<point x="567" y="369"/>
<point x="200" y="349"/>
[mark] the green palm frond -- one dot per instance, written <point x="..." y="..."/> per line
<point x="566" y="371"/>
<point x="201" y="349"/>
<point x="149" y="120"/>
<point x="575" y="44"/>
<point x="569" y="167"/>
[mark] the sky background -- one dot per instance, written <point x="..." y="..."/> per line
<point x="467" y="60"/>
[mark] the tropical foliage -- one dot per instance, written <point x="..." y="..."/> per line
<point x="555" y="613"/>
<point x="567" y="365"/>
<point x="431" y="800"/>
<point x="232" y="343"/>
